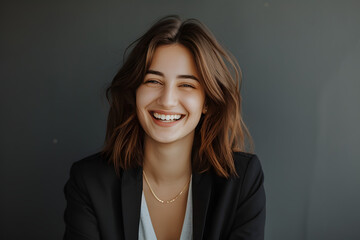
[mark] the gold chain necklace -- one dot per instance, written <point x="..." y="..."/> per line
<point x="165" y="201"/>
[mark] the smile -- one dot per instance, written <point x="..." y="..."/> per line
<point x="166" y="117"/>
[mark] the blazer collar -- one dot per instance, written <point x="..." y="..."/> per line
<point x="131" y="190"/>
<point x="201" y="190"/>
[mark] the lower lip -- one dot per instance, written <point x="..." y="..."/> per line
<point x="165" y="124"/>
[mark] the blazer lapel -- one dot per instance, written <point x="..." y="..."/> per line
<point x="131" y="189"/>
<point x="201" y="198"/>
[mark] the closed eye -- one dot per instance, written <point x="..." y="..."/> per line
<point x="152" y="81"/>
<point x="187" y="85"/>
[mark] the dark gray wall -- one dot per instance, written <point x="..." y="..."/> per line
<point x="301" y="92"/>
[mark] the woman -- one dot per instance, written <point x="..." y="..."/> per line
<point x="173" y="165"/>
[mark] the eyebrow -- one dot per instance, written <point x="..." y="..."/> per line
<point x="178" y="76"/>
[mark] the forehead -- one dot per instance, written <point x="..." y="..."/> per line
<point x="173" y="59"/>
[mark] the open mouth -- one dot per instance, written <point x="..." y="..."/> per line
<point x="165" y="117"/>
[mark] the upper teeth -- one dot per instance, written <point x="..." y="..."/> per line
<point x="167" y="117"/>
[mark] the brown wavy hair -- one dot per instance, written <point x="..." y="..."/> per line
<point x="219" y="132"/>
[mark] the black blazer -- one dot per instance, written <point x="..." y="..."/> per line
<point x="101" y="205"/>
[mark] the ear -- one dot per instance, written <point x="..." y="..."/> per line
<point x="204" y="109"/>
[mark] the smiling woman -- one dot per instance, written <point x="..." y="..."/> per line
<point x="174" y="164"/>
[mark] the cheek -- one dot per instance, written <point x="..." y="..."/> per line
<point x="194" y="103"/>
<point x="141" y="102"/>
<point x="143" y="98"/>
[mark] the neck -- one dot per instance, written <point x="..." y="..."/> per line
<point x="167" y="162"/>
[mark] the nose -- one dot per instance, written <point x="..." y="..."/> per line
<point x="168" y="97"/>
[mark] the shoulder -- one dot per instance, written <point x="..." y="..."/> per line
<point x="248" y="170"/>
<point x="250" y="177"/>
<point x="246" y="163"/>
<point x="90" y="163"/>
<point x="242" y="198"/>
<point x="91" y="169"/>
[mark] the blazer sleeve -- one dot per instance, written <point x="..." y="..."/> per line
<point x="79" y="215"/>
<point x="250" y="215"/>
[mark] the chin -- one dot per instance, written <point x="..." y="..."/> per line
<point x="165" y="140"/>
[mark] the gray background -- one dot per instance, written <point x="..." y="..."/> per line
<point x="301" y="92"/>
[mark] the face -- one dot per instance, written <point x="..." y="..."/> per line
<point x="170" y="100"/>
